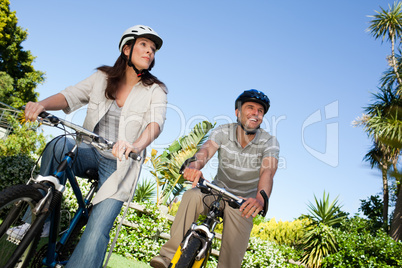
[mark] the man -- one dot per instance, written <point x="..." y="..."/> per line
<point x="248" y="160"/>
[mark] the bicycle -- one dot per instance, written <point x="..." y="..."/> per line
<point x="40" y="198"/>
<point x="196" y="246"/>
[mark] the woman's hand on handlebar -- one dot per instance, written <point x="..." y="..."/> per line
<point x="32" y="111"/>
<point x="251" y="207"/>
<point x="192" y="174"/>
<point x="123" y="148"/>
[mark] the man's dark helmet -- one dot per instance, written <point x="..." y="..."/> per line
<point x="253" y="95"/>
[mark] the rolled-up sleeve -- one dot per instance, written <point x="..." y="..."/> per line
<point x="157" y="108"/>
<point x="79" y="94"/>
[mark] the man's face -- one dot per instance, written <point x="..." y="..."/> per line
<point x="250" y="115"/>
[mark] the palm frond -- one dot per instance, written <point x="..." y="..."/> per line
<point x="387" y="24"/>
<point x="166" y="166"/>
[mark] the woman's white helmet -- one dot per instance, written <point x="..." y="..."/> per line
<point x="140" y="31"/>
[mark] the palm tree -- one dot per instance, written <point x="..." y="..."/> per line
<point x="381" y="156"/>
<point x="166" y="166"/>
<point x="384" y="122"/>
<point x="382" y="125"/>
<point x="388" y="25"/>
<point x="384" y="119"/>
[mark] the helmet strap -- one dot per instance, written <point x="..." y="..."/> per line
<point x="129" y="63"/>
<point x="248" y="132"/>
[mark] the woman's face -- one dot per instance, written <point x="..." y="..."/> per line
<point x="143" y="53"/>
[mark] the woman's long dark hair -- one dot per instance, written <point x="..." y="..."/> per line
<point x="116" y="73"/>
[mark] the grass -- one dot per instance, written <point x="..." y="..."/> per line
<point x="117" y="261"/>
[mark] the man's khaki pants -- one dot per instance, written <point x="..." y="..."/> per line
<point x="236" y="229"/>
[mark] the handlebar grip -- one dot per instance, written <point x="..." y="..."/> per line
<point x="135" y="156"/>
<point x="42" y="114"/>
<point x="266" y="202"/>
<point x="201" y="181"/>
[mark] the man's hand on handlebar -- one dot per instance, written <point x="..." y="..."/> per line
<point x="251" y="207"/>
<point x="193" y="175"/>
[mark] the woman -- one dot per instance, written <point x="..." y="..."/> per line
<point x="125" y="103"/>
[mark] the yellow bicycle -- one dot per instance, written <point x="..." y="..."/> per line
<point x="196" y="246"/>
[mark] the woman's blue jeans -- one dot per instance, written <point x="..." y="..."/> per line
<point x="91" y="249"/>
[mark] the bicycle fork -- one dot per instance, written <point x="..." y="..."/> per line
<point x="204" y="233"/>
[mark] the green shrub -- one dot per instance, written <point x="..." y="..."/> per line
<point x="141" y="240"/>
<point x="19" y="152"/>
<point x="283" y="233"/>
<point x="24" y="139"/>
<point x="15" y="169"/>
<point x="358" y="248"/>
<point x="262" y="253"/>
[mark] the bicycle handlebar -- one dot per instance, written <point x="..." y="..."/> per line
<point x="96" y="140"/>
<point x="204" y="183"/>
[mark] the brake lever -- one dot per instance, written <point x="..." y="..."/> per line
<point x="186" y="163"/>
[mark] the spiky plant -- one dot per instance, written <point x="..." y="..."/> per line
<point x="319" y="241"/>
<point x="325" y="212"/>
<point x="145" y="191"/>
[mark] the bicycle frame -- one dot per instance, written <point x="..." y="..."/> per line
<point x="59" y="180"/>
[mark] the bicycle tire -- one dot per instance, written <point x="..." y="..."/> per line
<point x="17" y="249"/>
<point x="188" y="254"/>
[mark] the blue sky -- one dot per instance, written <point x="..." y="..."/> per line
<point x="314" y="59"/>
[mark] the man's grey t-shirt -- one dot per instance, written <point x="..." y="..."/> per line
<point x="239" y="168"/>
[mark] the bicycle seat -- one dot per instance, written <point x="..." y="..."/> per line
<point x="92" y="174"/>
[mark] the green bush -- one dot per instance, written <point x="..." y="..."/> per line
<point x="141" y="240"/>
<point x="15" y="169"/>
<point x="262" y="253"/>
<point x="358" y="248"/>
<point x="24" y="139"/>
<point x="281" y="232"/>
<point x="18" y="153"/>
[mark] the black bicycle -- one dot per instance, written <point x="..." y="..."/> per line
<point x="24" y="208"/>
<point x="196" y="247"/>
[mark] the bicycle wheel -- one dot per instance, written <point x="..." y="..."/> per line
<point x="18" y="238"/>
<point x="188" y="255"/>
